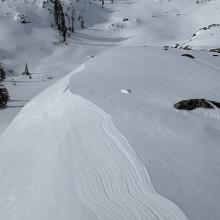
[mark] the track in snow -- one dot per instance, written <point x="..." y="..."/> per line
<point x="67" y="160"/>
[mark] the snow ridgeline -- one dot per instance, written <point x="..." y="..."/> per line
<point x="67" y="160"/>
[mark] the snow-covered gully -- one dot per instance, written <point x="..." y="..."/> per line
<point x="77" y="171"/>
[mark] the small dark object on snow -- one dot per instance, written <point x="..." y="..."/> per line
<point x="125" y="19"/>
<point x="215" y="55"/>
<point x="188" y="55"/>
<point x="216" y="50"/>
<point x="26" y="70"/>
<point x="176" y="46"/>
<point x="192" y="104"/>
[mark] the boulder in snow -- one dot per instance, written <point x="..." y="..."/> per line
<point x="192" y="104"/>
<point x="216" y="50"/>
<point x="188" y="55"/>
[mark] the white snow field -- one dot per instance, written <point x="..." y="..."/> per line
<point x="69" y="161"/>
<point x="105" y="142"/>
<point x="180" y="149"/>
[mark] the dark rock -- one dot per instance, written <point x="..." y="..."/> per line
<point x="215" y="55"/>
<point x="216" y="50"/>
<point x="188" y="55"/>
<point x="125" y="19"/>
<point x="192" y="104"/>
<point x="175" y="45"/>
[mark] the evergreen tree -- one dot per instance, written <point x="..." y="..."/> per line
<point x="59" y="18"/>
<point x="63" y="28"/>
<point x="26" y="70"/>
<point x="2" y="74"/>
<point x="4" y="97"/>
<point x="72" y="21"/>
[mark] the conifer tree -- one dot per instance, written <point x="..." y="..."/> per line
<point x="26" y="70"/>
<point x="4" y="97"/>
<point x="59" y="18"/>
<point x="2" y="74"/>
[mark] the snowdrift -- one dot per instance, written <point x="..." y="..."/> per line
<point x="67" y="160"/>
<point x="180" y="149"/>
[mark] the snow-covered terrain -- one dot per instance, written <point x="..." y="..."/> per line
<point x="81" y="167"/>
<point x="180" y="149"/>
<point x="38" y="45"/>
<point x="105" y="142"/>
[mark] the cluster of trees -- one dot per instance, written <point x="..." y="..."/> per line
<point x="4" y="95"/>
<point x="70" y="13"/>
<point x="65" y="16"/>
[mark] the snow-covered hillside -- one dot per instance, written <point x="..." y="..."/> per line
<point x="180" y="149"/>
<point x="38" y="44"/>
<point x="29" y="35"/>
<point x="105" y="142"/>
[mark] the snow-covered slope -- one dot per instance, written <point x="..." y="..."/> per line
<point x="37" y="43"/>
<point x="205" y="38"/>
<point x="180" y="149"/>
<point x="89" y="147"/>
<point x="27" y="35"/>
<point x="80" y="168"/>
<point x="163" y="22"/>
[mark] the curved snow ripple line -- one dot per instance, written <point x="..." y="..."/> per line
<point x="120" y="186"/>
<point x="75" y="165"/>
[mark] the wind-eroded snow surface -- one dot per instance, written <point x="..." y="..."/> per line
<point x="73" y="163"/>
<point x="180" y="149"/>
<point x="105" y="142"/>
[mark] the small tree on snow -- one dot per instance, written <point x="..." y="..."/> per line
<point x="26" y="70"/>
<point x="2" y="74"/>
<point x="4" y="97"/>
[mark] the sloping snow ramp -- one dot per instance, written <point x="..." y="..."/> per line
<point x="62" y="158"/>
